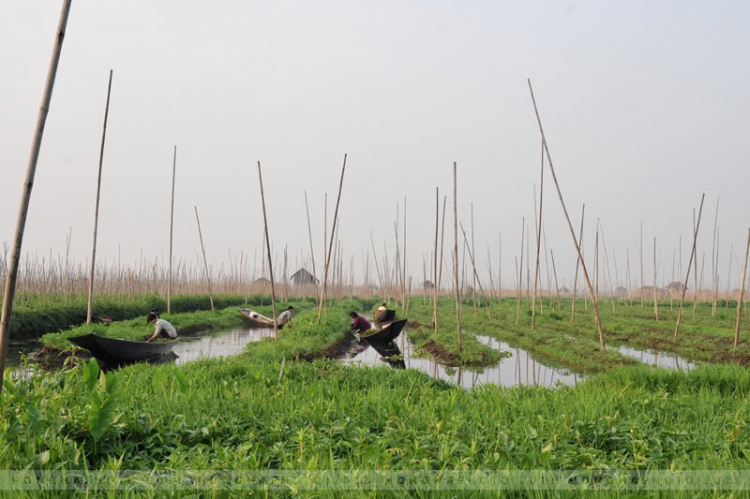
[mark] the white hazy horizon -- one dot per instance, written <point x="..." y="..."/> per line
<point x="645" y="106"/>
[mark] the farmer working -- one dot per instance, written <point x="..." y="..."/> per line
<point x="163" y="328"/>
<point x="359" y="323"/>
<point x="285" y="316"/>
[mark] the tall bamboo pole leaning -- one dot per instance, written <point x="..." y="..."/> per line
<point x="96" y="206"/>
<point x="538" y="241"/>
<point x="330" y="247"/>
<point x="15" y="250"/>
<point x="455" y="252"/>
<point x="171" y="234"/>
<point x="442" y="245"/>
<point x="690" y="262"/>
<point x="578" y="263"/>
<point x="742" y="294"/>
<point x="570" y="225"/>
<point x="435" y="271"/>
<point x="205" y="261"/>
<point x="309" y="233"/>
<point x="268" y="254"/>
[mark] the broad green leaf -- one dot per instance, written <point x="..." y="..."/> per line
<point x="181" y="381"/>
<point x="90" y="373"/>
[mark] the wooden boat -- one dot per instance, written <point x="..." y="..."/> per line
<point x="390" y="353"/>
<point x="257" y="320"/>
<point x="385" y="335"/>
<point x="115" y="352"/>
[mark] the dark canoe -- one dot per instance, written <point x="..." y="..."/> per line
<point x="114" y="352"/>
<point x="389" y="333"/>
<point x="256" y="320"/>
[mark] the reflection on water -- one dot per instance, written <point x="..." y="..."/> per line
<point x="218" y="344"/>
<point x="660" y="359"/>
<point x="518" y="369"/>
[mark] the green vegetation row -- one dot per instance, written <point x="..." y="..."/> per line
<point x="35" y="317"/>
<point x="195" y="322"/>
<point x="240" y="414"/>
<point x="558" y="342"/>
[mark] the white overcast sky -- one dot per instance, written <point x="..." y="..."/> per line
<point x="646" y="105"/>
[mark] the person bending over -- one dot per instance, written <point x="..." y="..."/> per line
<point x="285" y="316"/>
<point x="163" y="328"/>
<point x="359" y="323"/>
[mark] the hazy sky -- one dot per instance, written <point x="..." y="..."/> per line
<point x="646" y="105"/>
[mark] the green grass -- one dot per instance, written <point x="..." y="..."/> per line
<point x="235" y="414"/>
<point x="558" y="342"/>
<point x="36" y="314"/>
<point x="238" y="413"/>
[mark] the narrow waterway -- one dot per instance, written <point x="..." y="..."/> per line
<point x="518" y="369"/>
<point x="656" y="358"/>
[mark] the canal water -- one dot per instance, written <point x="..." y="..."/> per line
<point x="656" y="358"/>
<point x="518" y="369"/>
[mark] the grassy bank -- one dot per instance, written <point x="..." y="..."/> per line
<point x="236" y="414"/>
<point x="575" y="345"/>
<point x="37" y="315"/>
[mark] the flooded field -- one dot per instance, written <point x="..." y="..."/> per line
<point x="520" y="368"/>
<point x="219" y="344"/>
<point x="660" y="359"/>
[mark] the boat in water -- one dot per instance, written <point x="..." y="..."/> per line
<point x="114" y="352"/>
<point x="257" y="320"/>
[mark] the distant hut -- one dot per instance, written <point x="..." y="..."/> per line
<point x="564" y="290"/>
<point x="302" y="276"/>
<point x="676" y="287"/>
<point x="428" y="286"/>
<point x="621" y="291"/>
<point x="261" y="280"/>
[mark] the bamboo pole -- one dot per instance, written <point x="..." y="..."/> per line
<point x="15" y="251"/>
<point x="474" y="290"/>
<point x="742" y="294"/>
<point x="96" y="206"/>
<point x="640" y="252"/>
<point x="578" y="262"/>
<point x="434" y="275"/>
<point x="565" y="211"/>
<point x="309" y="233"/>
<point x="205" y="261"/>
<point x="656" y="301"/>
<point x="442" y="243"/>
<point x="554" y="271"/>
<point x="474" y="267"/>
<point x="500" y="269"/>
<point x="403" y="275"/>
<point x="455" y="250"/>
<point x="687" y="274"/>
<point x="538" y="241"/>
<point x="695" y="273"/>
<point x="713" y="261"/>
<point x="330" y="247"/>
<point x="520" y="276"/>
<point x="268" y="254"/>
<point x="171" y="234"/>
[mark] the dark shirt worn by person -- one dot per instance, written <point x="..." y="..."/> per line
<point x="360" y="324"/>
